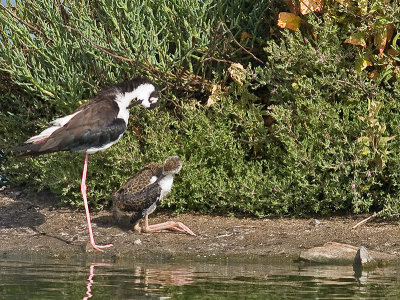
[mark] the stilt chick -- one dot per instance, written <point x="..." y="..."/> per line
<point x="144" y="191"/>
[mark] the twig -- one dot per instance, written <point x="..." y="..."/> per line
<point x="358" y="84"/>
<point x="240" y="45"/>
<point x="152" y="70"/>
<point x="105" y="50"/>
<point x="363" y="221"/>
<point x="224" y="235"/>
<point x="290" y="129"/>
<point x="22" y="20"/>
<point x="217" y="60"/>
<point x="370" y="217"/>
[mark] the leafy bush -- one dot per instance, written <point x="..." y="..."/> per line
<point x="267" y="121"/>
<point x="54" y="56"/>
<point x="335" y="128"/>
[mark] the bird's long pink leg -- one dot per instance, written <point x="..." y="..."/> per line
<point x="89" y="223"/>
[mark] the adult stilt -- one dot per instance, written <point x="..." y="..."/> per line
<point x="94" y="126"/>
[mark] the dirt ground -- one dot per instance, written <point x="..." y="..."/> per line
<point x="38" y="224"/>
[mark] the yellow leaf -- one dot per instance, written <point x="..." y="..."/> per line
<point x="80" y="102"/>
<point x="245" y="36"/>
<point x="380" y="40"/>
<point x="215" y="96"/>
<point x="362" y="61"/>
<point x="357" y="39"/>
<point x="289" y="20"/>
<point x="307" y="6"/>
<point x="237" y="72"/>
<point x="365" y="63"/>
<point x="383" y="36"/>
<point x="373" y="75"/>
<point x="392" y="52"/>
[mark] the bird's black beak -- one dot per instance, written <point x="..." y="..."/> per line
<point x="134" y="103"/>
<point x="153" y="105"/>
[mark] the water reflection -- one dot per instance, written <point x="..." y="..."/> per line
<point x="148" y="279"/>
<point x="44" y="278"/>
<point x="90" y="278"/>
<point x="151" y="276"/>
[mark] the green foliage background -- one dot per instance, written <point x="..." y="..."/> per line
<point x="304" y="132"/>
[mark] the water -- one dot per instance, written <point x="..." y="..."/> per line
<point x="81" y="278"/>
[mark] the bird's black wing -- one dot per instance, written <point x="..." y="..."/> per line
<point x="140" y="180"/>
<point x="140" y="200"/>
<point x="93" y="125"/>
<point x="144" y="201"/>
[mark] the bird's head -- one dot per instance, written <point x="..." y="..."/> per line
<point x="172" y="165"/>
<point x="145" y="93"/>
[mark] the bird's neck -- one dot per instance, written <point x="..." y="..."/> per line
<point x="124" y="99"/>
<point x="166" y="184"/>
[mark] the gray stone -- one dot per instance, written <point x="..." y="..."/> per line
<point x="330" y="253"/>
<point x="339" y="254"/>
<point x="363" y="258"/>
<point x="315" y="222"/>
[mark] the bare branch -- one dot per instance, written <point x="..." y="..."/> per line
<point x="362" y="222"/>
<point x="240" y="45"/>
<point x="14" y="15"/>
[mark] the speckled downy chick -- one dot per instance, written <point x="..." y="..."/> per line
<point x="143" y="192"/>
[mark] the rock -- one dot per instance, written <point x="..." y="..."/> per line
<point x="137" y="242"/>
<point x="17" y="193"/>
<point x="363" y="258"/>
<point x="315" y="222"/>
<point x="338" y="253"/>
<point x="363" y="261"/>
<point x="330" y="253"/>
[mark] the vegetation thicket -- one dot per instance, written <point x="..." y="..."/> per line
<point x="276" y="108"/>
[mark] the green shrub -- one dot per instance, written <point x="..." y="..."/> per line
<point x="335" y="130"/>
<point x="60" y="55"/>
<point x="300" y="130"/>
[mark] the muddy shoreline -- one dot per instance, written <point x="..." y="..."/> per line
<point x="38" y="225"/>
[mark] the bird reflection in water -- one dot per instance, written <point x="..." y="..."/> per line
<point x="148" y="277"/>
<point x="165" y="277"/>
<point x="90" y="278"/>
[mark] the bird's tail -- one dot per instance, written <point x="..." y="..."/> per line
<point x="31" y="150"/>
<point x="117" y="213"/>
